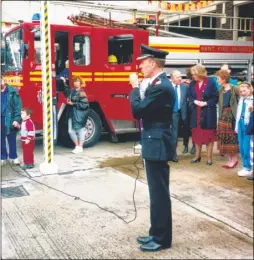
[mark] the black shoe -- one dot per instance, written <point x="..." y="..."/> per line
<point x="175" y="160"/>
<point x="251" y="178"/>
<point x="185" y="150"/>
<point x="195" y="160"/>
<point x="152" y="247"/>
<point x="209" y="163"/>
<point x="144" y="240"/>
<point x="24" y="166"/>
<point x="30" y="166"/>
<point x="193" y="150"/>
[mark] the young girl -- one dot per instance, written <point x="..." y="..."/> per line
<point x="242" y="121"/>
<point x="77" y="110"/>
<point x="27" y="132"/>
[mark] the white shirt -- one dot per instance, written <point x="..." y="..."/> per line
<point x="143" y="86"/>
<point x="178" y="94"/>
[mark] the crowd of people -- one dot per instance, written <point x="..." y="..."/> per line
<point x="213" y="109"/>
<point x="160" y="103"/>
<point x="208" y="108"/>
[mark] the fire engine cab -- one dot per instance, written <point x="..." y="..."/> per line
<point x="87" y="50"/>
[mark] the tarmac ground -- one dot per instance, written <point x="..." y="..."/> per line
<point x="48" y="217"/>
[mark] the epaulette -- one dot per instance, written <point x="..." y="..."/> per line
<point x="157" y="81"/>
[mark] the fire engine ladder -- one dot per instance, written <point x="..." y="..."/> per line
<point x="166" y="19"/>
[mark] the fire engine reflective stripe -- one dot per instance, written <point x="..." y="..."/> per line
<point x="46" y="80"/>
<point x="36" y="79"/>
<point x="203" y="48"/>
<point x="177" y="47"/>
<point x="81" y="73"/>
<point x="87" y="79"/>
<point x="112" y="79"/>
<point x="15" y="81"/>
<point x="163" y="45"/>
<point x="178" y="50"/>
<point x="113" y="73"/>
<point x="35" y="73"/>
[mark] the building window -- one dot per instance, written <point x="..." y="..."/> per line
<point x="120" y="49"/>
<point x="81" y="50"/>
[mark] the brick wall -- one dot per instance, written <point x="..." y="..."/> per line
<point x="224" y="35"/>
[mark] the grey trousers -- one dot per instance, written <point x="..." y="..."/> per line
<point x="77" y="135"/>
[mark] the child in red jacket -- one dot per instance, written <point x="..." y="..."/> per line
<point x="27" y="138"/>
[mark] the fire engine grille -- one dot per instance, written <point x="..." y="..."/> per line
<point x="13" y="192"/>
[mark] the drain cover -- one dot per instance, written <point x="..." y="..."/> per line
<point x="13" y="192"/>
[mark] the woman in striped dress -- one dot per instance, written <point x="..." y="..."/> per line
<point x="226" y="136"/>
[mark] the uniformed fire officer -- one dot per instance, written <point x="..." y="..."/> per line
<point x="156" y="111"/>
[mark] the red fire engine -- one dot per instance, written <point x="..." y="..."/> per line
<point x="87" y="48"/>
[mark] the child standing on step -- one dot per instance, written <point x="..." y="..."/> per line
<point x="27" y="138"/>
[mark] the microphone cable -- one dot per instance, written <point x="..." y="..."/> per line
<point x="28" y="176"/>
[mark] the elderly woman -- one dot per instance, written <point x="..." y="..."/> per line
<point x="227" y="138"/>
<point x="203" y="97"/>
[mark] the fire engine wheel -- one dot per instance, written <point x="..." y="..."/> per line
<point x="92" y="135"/>
<point x="93" y="129"/>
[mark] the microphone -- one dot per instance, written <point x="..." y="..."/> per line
<point x="134" y="80"/>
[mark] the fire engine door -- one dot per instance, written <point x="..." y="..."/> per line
<point x="118" y="63"/>
<point x="60" y="58"/>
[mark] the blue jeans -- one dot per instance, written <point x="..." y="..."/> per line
<point x="244" y="144"/>
<point x="11" y="142"/>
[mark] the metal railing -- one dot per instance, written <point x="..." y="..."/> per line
<point x="244" y="24"/>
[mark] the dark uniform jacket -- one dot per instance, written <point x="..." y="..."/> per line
<point x="156" y="111"/>
<point x="208" y="113"/>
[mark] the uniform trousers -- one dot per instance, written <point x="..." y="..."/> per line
<point x="160" y="204"/>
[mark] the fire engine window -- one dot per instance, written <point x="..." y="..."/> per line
<point x="13" y="47"/>
<point x="37" y="46"/>
<point x="120" y="49"/>
<point x="81" y="50"/>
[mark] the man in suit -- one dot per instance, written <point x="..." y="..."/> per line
<point x="156" y="110"/>
<point x="180" y="110"/>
